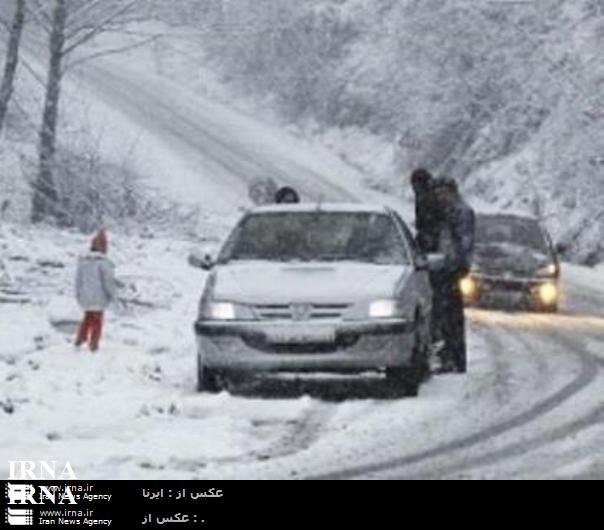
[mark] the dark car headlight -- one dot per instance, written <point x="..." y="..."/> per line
<point x="549" y="293"/>
<point x="469" y="286"/>
<point x="549" y="271"/>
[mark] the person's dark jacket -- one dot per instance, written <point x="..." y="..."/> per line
<point x="428" y="221"/>
<point x="460" y="222"/>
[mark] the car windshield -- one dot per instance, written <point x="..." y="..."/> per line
<point x="510" y="230"/>
<point x="317" y="236"/>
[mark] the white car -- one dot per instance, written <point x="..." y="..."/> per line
<point x="326" y="288"/>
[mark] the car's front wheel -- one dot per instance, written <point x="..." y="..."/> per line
<point x="406" y="380"/>
<point x="403" y="381"/>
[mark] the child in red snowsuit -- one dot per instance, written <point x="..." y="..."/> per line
<point x="95" y="290"/>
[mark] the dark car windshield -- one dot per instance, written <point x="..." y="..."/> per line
<point x="493" y="229"/>
<point x="317" y="236"/>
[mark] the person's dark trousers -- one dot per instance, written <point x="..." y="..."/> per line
<point x="451" y="321"/>
<point x="437" y="283"/>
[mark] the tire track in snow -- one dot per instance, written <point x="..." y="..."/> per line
<point x="590" y="364"/>
<point x="302" y="434"/>
<point x="566" y="430"/>
<point x="589" y="372"/>
<point x="503" y="372"/>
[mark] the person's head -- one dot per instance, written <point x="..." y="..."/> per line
<point x="421" y="180"/>
<point x="262" y="190"/>
<point x="287" y="195"/>
<point x="447" y="191"/>
<point x="99" y="242"/>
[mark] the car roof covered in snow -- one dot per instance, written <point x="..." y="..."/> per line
<point x="320" y="207"/>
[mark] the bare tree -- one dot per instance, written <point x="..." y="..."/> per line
<point x="12" y="59"/>
<point x="45" y="194"/>
<point x="70" y="24"/>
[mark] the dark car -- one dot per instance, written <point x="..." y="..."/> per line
<point x="515" y="265"/>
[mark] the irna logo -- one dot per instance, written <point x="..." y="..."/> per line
<point x="20" y="494"/>
<point x="28" y="470"/>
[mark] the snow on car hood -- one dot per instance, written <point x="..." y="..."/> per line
<point x="284" y="283"/>
<point x="509" y="258"/>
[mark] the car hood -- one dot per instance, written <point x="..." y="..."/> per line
<point x="280" y="283"/>
<point x="506" y="258"/>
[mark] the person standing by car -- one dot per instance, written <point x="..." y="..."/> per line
<point x="261" y="191"/>
<point x="456" y="244"/>
<point x="427" y="211"/>
<point x="95" y="290"/>
<point x="428" y="221"/>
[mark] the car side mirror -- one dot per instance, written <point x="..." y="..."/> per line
<point x="435" y="261"/>
<point x="203" y="258"/>
<point x="421" y="263"/>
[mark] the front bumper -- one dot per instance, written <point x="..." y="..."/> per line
<point x="358" y="347"/>
<point x="501" y="291"/>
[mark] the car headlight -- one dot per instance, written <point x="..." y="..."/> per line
<point x="468" y="286"/>
<point x="549" y="293"/>
<point x="384" y="309"/>
<point x="549" y="271"/>
<point x="227" y="311"/>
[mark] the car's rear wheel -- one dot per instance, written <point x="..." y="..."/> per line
<point x="208" y="380"/>
<point x="403" y="381"/>
<point x="406" y="380"/>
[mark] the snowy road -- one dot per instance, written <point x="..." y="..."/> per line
<point x="535" y="423"/>
<point x="225" y="150"/>
<point x="530" y="407"/>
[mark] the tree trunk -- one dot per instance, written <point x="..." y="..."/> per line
<point x="46" y="198"/>
<point x="12" y="59"/>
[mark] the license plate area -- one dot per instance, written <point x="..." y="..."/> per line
<point x="311" y="335"/>
<point x="503" y="297"/>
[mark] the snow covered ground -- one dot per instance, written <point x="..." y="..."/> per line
<point x="530" y="406"/>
